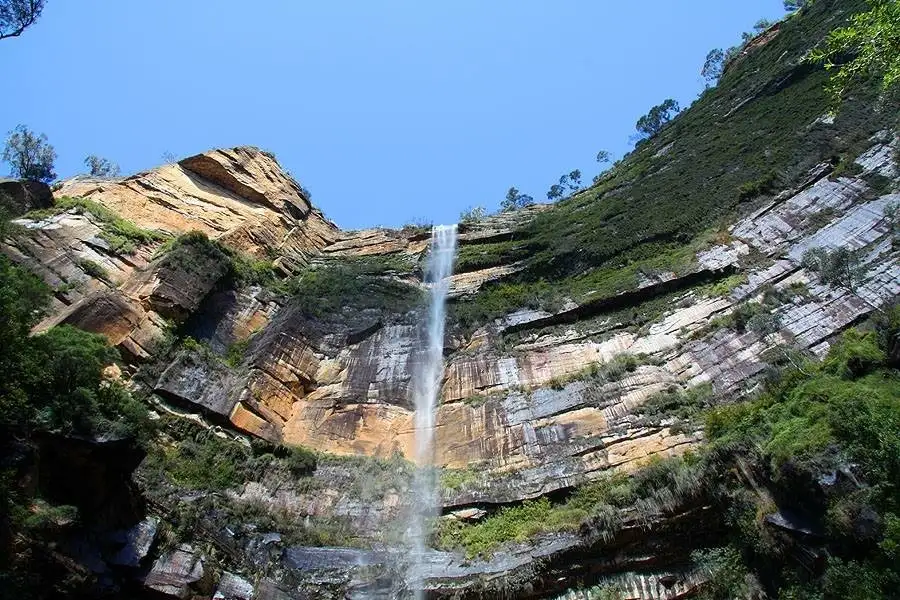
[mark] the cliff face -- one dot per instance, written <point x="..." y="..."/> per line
<point x="567" y="325"/>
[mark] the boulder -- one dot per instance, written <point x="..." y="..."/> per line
<point x="17" y="197"/>
<point x="233" y="587"/>
<point x="178" y="573"/>
<point x="138" y="540"/>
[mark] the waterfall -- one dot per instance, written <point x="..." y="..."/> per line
<point x="427" y="388"/>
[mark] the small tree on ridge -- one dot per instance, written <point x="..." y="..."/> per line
<point x="30" y="155"/>
<point x="101" y="167"/>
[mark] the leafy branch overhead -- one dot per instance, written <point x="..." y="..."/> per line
<point x="867" y="48"/>
<point x="18" y="15"/>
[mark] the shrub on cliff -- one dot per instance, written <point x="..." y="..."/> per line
<point x="826" y="441"/>
<point x="196" y="254"/>
<point x="54" y="381"/>
<point x="354" y="283"/>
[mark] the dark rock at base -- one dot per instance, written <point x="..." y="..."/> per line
<point x="137" y="543"/>
<point x="17" y="197"/>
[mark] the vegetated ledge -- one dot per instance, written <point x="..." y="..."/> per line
<point x="545" y="565"/>
<point x="624" y="299"/>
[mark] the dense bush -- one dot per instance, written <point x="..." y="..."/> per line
<point x="838" y="416"/>
<point x="660" y="487"/>
<point x="52" y="383"/>
<point x="327" y="289"/>
<point x="195" y="253"/>
<point x="199" y="458"/>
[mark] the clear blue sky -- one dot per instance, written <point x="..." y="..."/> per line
<point x="387" y="111"/>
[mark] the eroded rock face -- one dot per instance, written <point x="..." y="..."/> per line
<point x="526" y="409"/>
<point x="239" y="195"/>
<point x="529" y="419"/>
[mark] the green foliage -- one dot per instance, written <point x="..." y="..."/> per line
<point x="122" y="235"/>
<point x="52" y="383"/>
<point x="515" y="200"/>
<point x="16" y="16"/>
<point x="652" y="123"/>
<point x="457" y="479"/>
<point x="197" y="458"/>
<point x="417" y="227"/>
<point x="725" y="286"/>
<point x="794" y="5"/>
<point x="499" y="298"/>
<point x="839" y="267"/>
<point x="234" y="356"/>
<point x="864" y="50"/>
<point x="93" y="269"/>
<point x="659" y="487"/>
<point x="855" y="355"/>
<point x="607" y="372"/>
<point x="841" y="414"/>
<point x="42" y="516"/>
<point x="473" y="257"/>
<point x="726" y="573"/>
<point x="29" y="155"/>
<point x="762" y="119"/>
<point x="685" y="406"/>
<point x="328" y="289"/>
<point x="758" y="187"/>
<point x="195" y="253"/>
<point x="300" y="461"/>
<point x="714" y="66"/>
<point x="849" y="401"/>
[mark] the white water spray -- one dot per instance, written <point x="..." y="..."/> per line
<point x="428" y="384"/>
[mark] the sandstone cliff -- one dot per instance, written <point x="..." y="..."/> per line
<point x="568" y="324"/>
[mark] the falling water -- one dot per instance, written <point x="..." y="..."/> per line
<point x="428" y="381"/>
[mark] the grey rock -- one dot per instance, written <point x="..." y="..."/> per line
<point x="233" y="587"/>
<point x="138" y="541"/>
<point x="174" y="573"/>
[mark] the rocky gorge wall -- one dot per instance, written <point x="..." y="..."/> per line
<point x="529" y="402"/>
<point x="557" y="382"/>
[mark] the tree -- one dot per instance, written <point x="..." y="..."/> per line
<point x="555" y="192"/>
<point x="472" y="215"/>
<point x="515" y="200"/>
<point x="652" y="123"/>
<point x="839" y="267"/>
<point x="101" y="167"/>
<point x="892" y="215"/>
<point x="762" y="25"/>
<point x="30" y="155"/>
<point x="574" y="181"/>
<point x="18" y="15"/>
<point x="865" y="49"/>
<point x="714" y="66"/>
<point x="603" y="157"/>
<point x="795" y="5"/>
